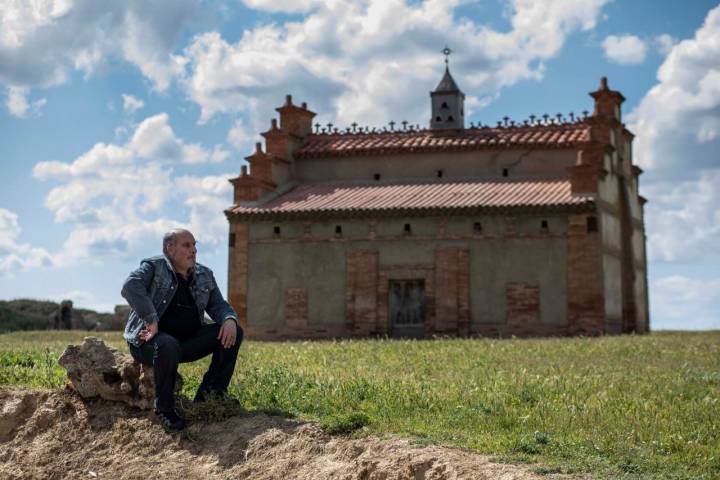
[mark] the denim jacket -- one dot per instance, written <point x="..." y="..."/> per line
<point x="150" y="288"/>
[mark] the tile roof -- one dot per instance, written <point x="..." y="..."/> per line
<point x="346" y="198"/>
<point x="564" y="135"/>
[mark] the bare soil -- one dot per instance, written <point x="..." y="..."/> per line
<point x="52" y="435"/>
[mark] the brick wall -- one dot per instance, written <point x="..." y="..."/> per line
<point x="523" y="307"/>
<point x="238" y="270"/>
<point x="296" y="308"/>
<point x="586" y="302"/>
<point x="452" y="300"/>
<point x="361" y="291"/>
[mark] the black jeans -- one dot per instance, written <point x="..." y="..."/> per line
<point x="164" y="353"/>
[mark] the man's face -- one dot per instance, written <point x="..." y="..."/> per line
<point x="182" y="252"/>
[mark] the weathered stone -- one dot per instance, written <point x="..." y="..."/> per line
<point x="98" y="370"/>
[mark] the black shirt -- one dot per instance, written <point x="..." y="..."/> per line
<point x="181" y="319"/>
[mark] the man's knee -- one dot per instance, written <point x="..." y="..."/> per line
<point x="238" y="338"/>
<point x="167" y="346"/>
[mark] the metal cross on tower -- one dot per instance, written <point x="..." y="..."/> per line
<point x="446" y="51"/>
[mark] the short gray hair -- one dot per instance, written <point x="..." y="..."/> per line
<point x="171" y="237"/>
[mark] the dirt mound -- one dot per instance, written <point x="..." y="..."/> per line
<point x="52" y="435"/>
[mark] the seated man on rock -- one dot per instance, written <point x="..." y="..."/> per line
<point x="168" y="295"/>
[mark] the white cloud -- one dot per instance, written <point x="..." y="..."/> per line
<point x="120" y="198"/>
<point x="131" y="104"/>
<point x="16" y="256"/>
<point x="206" y="197"/>
<point x="685" y="303"/>
<point x="337" y="57"/>
<point x="683" y="219"/>
<point x="42" y="42"/>
<point x="241" y="136"/>
<point x="665" y="43"/>
<point x="218" y="154"/>
<point x="625" y="49"/>
<point x="677" y="125"/>
<point x="83" y="299"/>
<point x="155" y="139"/>
<point x="288" y="6"/>
<point x="18" y="105"/>
<point x="678" y="121"/>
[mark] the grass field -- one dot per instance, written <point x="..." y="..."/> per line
<point x="630" y="407"/>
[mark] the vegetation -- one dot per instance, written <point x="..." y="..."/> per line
<point x="29" y="314"/>
<point x="630" y="406"/>
<point x="25" y="314"/>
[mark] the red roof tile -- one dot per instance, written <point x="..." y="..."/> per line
<point x="382" y="143"/>
<point x="336" y="197"/>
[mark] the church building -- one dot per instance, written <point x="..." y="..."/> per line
<point x="528" y="228"/>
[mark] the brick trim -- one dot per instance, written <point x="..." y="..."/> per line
<point x="522" y="306"/>
<point x="238" y="271"/>
<point x="296" y="308"/>
<point x="361" y="301"/>
<point x="585" y="293"/>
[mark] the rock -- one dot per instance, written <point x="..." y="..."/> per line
<point x="97" y="370"/>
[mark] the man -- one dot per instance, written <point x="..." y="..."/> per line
<point x="168" y="296"/>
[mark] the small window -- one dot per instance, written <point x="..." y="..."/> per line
<point x="444" y="106"/>
<point x="544" y="226"/>
<point x="439" y="173"/>
<point x="231" y="240"/>
<point x="376" y="176"/>
<point x="451" y="119"/>
<point x="276" y="231"/>
<point x="338" y="230"/>
<point x="592" y="224"/>
<point x="407" y="229"/>
<point x="505" y="172"/>
<point x="438" y="119"/>
<point x="477" y="228"/>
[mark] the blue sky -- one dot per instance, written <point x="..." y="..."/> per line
<point x="120" y="120"/>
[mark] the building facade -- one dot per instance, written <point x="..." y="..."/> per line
<point x="527" y="229"/>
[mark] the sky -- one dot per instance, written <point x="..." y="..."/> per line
<point x="121" y="120"/>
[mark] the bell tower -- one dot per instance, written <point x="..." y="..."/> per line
<point x="448" y="109"/>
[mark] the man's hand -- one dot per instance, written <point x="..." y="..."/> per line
<point x="147" y="333"/>
<point x="228" y="333"/>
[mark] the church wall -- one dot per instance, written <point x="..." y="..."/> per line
<point x="276" y="267"/>
<point x="638" y="241"/>
<point x="299" y="281"/>
<point x="538" y="262"/>
<point x="462" y="226"/>
<point x="640" y="289"/>
<point x="455" y="165"/>
<point x="610" y="230"/>
<point x="418" y="226"/>
<point x="634" y="200"/>
<point x="612" y="271"/>
<point x="608" y="187"/>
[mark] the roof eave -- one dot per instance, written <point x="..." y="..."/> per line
<point x="588" y="205"/>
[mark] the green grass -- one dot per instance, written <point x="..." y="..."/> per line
<point x="629" y="407"/>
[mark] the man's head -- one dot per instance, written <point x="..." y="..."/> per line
<point x="179" y="247"/>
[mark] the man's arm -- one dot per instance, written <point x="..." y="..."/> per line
<point x="222" y="313"/>
<point x="136" y="290"/>
<point x="217" y="308"/>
